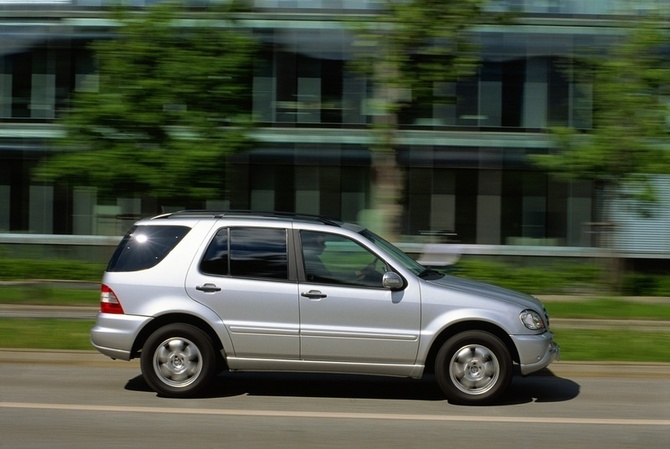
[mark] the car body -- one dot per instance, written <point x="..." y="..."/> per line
<point x="194" y="291"/>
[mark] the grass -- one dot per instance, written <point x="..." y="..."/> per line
<point x="45" y="295"/>
<point x="576" y="344"/>
<point x="49" y="268"/>
<point x="622" y="345"/>
<point x="618" y="345"/>
<point x="45" y="333"/>
<point x="609" y="308"/>
<point x="613" y="345"/>
<point x="597" y="308"/>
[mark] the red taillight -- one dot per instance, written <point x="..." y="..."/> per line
<point x="109" y="303"/>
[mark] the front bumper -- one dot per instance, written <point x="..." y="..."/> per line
<point x="114" y="335"/>
<point x="536" y="351"/>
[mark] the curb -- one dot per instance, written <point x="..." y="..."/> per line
<point x="622" y="370"/>
<point x="60" y="357"/>
<point x="37" y="311"/>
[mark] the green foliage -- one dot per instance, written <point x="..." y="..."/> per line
<point x="171" y="103"/>
<point x="554" y="278"/>
<point x="641" y="284"/>
<point x="627" y="142"/>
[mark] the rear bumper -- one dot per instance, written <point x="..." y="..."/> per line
<point x="114" y="335"/>
<point x="536" y="351"/>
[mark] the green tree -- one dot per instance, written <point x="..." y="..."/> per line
<point x="171" y="103"/>
<point x="413" y="48"/>
<point x="627" y="144"/>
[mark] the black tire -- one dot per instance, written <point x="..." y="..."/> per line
<point x="473" y="367"/>
<point x="178" y="360"/>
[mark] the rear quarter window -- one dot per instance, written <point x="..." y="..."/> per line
<point x="144" y="247"/>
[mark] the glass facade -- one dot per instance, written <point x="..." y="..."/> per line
<point x="37" y="78"/>
<point x="302" y="79"/>
<point x="468" y="177"/>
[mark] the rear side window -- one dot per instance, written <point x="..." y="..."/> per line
<point x="145" y="246"/>
<point x="247" y="252"/>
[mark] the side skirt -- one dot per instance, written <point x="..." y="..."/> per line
<point x="303" y="366"/>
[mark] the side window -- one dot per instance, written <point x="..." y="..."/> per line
<point x="215" y="260"/>
<point x="247" y="252"/>
<point x="333" y="259"/>
<point x="259" y="253"/>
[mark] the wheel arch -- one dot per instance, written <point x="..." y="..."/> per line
<point x="470" y="325"/>
<point x="173" y="318"/>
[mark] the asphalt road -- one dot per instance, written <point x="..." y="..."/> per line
<point x="68" y="399"/>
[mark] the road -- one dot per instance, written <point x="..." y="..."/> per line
<point x="83" y="400"/>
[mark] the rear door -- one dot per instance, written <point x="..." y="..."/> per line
<point x="244" y="275"/>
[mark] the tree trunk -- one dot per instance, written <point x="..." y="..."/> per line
<point x="387" y="188"/>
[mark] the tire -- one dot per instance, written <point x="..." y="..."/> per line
<point x="178" y="360"/>
<point x="473" y="367"/>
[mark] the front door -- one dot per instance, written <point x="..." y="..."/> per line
<point x="345" y="313"/>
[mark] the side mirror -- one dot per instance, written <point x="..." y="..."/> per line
<point x="392" y="281"/>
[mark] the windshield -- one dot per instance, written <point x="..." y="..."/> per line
<point x="396" y="253"/>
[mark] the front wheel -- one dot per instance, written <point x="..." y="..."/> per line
<point x="473" y="367"/>
<point x="178" y="360"/>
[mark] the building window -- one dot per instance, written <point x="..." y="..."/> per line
<point x="38" y="84"/>
<point x="302" y="78"/>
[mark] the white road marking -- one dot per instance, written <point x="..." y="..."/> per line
<point x="336" y="415"/>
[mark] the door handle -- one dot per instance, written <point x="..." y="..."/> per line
<point x="208" y="288"/>
<point x="313" y="294"/>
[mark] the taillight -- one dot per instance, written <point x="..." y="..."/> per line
<point x="109" y="303"/>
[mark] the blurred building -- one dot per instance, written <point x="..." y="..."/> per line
<point x="468" y="174"/>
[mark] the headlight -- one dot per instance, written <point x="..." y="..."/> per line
<point x="532" y="320"/>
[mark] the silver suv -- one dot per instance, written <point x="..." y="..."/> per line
<point x="192" y="292"/>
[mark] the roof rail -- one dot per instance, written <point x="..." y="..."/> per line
<point x="251" y="213"/>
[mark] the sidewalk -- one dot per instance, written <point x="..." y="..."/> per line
<point x="32" y="311"/>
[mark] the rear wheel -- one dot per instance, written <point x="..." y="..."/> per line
<point x="473" y="367"/>
<point x="178" y="360"/>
